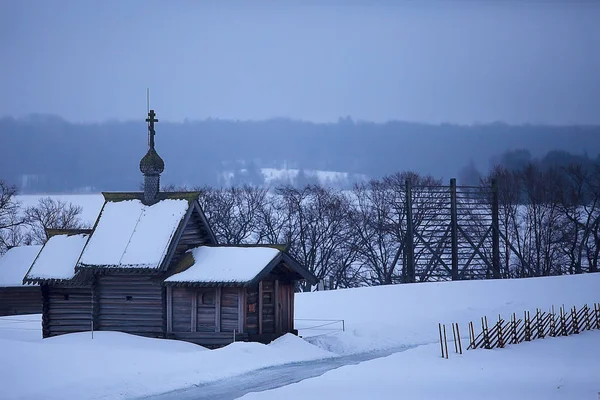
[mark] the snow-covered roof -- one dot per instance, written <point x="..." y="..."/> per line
<point x="227" y="264"/>
<point x="129" y="234"/>
<point x="58" y="258"/>
<point x="15" y="263"/>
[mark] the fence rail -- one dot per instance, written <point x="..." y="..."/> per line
<point x="539" y="325"/>
<point x="328" y="326"/>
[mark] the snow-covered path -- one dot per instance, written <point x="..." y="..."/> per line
<point x="270" y="377"/>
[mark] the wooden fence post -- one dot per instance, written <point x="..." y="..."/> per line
<point x="575" y="320"/>
<point x="515" y="335"/>
<point x="500" y="333"/>
<point x="525" y="327"/>
<point x="495" y="231"/>
<point x="472" y="334"/>
<point x="459" y="341"/>
<point x="454" y="335"/>
<point x="486" y="339"/>
<point x="441" y="342"/>
<point x="445" y="342"/>
<point x="454" y="229"/>
<point x="552" y="327"/>
<point x="587" y="317"/>
<point x="410" y="246"/>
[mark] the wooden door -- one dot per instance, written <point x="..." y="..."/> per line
<point x="230" y="310"/>
<point x="284" y="308"/>
<point x="205" y="309"/>
<point x="268" y="301"/>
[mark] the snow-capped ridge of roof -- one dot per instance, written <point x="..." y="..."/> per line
<point x="130" y="234"/>
<point x="57" y="259"/>
<point x="233" y="265"/>
<point x="15" y="263"/>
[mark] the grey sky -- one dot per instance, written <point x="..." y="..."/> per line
<point x="446" y="61"/>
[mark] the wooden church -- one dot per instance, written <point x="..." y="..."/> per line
<point x="151" y="265"/>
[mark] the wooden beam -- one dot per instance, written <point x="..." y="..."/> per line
<point x="290" y="311"/>
<point x="276" y="305"/>
<point x="260" y="307"/>
<point x="292" y="305"/>
<point x="241" y="309"/>
<point x="169" y="309"/>
<point x="194" y="311"/>
<point x="218" y="309"/>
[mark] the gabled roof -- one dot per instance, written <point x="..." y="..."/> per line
<point x="233" y="265"/>
<point x="129" y="235"/>
<point x="15" y="263"/>
<point x="56" y="261"/>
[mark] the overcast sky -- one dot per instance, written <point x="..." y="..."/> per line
<point x="446" y="61"/>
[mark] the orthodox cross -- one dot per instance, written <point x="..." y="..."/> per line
<point x="151" y="120"/>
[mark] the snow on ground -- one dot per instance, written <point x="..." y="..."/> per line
<point x="546" y="369"/>
<point x="116" y="365"/>
<point x="397" y="315"/>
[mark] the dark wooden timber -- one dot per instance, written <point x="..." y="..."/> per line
<point x="131" y="303"/>
<point x="20" y="300"/>
<point x="67" y="309"/>
<point x="454" y="229"/>
<point x="410" y="245"/>
<point x="495" y="231"/>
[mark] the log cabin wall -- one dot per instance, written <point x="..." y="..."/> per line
<point x="66" y="309"/>
<point x="194" y="234"/>
<point x="131" y="304"/>
<point x="189" y="301"/>
<point x="206" y="316"/>
<point x="270" y="309"/>
<point x="20" y="300"/>
<point x="252" y="310"/>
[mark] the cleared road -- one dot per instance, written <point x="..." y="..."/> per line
<point x="268" y="378"/>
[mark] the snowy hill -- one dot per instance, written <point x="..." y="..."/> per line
<point x="396" y="315"/>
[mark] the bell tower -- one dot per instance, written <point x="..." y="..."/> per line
<point x="151" y="164"/>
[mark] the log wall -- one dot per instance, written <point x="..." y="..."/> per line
<point x="20" y="300"/>
<point x="66" y="310"/>
<point x="193" y="235"/>
<point x="131" y="304"/>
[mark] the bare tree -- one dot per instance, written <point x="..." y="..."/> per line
<point x="10" y="220"/>
<point x="317" y="228"/>
<point x="51" y="213"/>
<point x="235" y="213"/>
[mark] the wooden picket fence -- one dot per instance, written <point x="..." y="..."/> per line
<point x="539" y="325"/>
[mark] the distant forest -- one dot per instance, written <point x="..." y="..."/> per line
<point x="48" y="154"/>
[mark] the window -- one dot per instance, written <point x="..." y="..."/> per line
<point x="207" y="299"/>
<point x="129" y="298"/>
<point x="267" y="299"/>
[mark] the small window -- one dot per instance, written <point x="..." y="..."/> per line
<point x="66" y="297"/>
<point x="267" y="299"/>
<point x="129" y="298"/>
<point x="207" y="299"/>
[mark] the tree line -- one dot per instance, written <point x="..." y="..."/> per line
<point x="50" y="155"/>
<point x="548" y="222"/>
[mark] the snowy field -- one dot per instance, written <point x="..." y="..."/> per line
<point x="554" y="368"/>
<point x="119" y="366"/>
